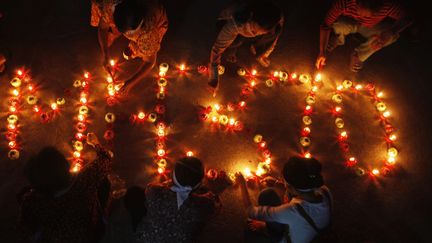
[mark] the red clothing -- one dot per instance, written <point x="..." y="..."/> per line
<point x="72" y="216"/>
<point x="349" y="8"/>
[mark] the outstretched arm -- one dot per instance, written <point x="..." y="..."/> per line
<point x="103" y="43"/>
<point x="332" y="15"/>
<point x="244" y="191"/>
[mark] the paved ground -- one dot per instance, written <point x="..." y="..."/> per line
<point x="54" y="40"/>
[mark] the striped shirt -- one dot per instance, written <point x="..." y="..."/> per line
<point x="349" y="8"/>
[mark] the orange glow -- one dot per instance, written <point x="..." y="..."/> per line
<point x="30" y="87"/>
<point x="81" y="117"/>
<point x="87" y="76"/>
<point x="79" y="135"/>
<point x="76" y="168"/>
<point x="338" y="109"/>
<point x="83" y="100"/>
<point x="294" y="75"/>
<point x="36" y="109"/>
<point x="391" y="160"/>
<point x="217" y="107"/>
<point x="182" y="67"/>
<point x="215" y="119"/>
<point x="242" y="104"/>
<point x="308" y="108"/>
<point x="344" y="134"/>
<point x="11" y="126"/>
<point x="12" y="109"/>
<point x="359" y="87"/>
<point x="393" y="137"/>
<point x="247" y="172"/>
<point x="161" y="152"/>
<point x="260" y="171"/>
<point x="263" y="144"/>
<point x="308" y="155"/>
<point x="20" y="72"/>
<point x="12" y="144"/>
<point x="307" y="130"/>
<point x="318" y="77"/>
<point x="189" y="154"/>
<point x="314" y="88"/>
<point x="375" y="172"/>
<point x="76" y="154"/>
<point x="340" y="87"/>
<point x="109" y="79"/>
<point x="141" y="115"/>
<point x="161" y="170"/>
<point x="232" y="121"/>
<point x="380" y="94"/>
<point x="15" y="92"/>
<point x="161" y="133"/>
<point x="112" y="62"/>
<point x="111" y="92"/>
<point x="386" y="114"/>
<point x="252" y="83"/>
<point x="254" y="72"/>
<point x="276" y="74"/>
<point x="54" y="106"/>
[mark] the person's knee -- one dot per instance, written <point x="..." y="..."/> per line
<point x="344" y="26"/>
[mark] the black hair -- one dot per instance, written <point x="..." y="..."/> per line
<point x="189" y="171"/>
<point x="373" y="5"/>
<point x="48" y="171"/>
<point x="266" y="14"/>
<point x="303" y="173"/>
<point x="129" y="13"/>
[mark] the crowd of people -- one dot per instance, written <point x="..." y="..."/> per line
<point x="62" y="207"/>
<point x="256" y="23"/>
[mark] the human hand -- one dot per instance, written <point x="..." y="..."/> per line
<point x="106" y="65"/>
<point x="219" y="184"/>
<point x="256" y="225"/>
<point x="321" y="61"/>
<point x="240" y="178"/>
<point x="92" y="139"/>
<point x="264" y="61"/>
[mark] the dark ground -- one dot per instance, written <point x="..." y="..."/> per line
<point x="54" y="39"/>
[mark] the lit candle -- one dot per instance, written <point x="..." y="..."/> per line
<point x="241" y="72"/>
<point x="258" y="138"/>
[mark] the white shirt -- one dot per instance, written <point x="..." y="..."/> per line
<point x="300" y="230"/>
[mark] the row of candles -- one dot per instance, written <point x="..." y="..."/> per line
<point x="23" y="88"/>
<point x="82" y="120"/>
<point x="384" y="117"/>
<point x="216" y="114"/>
